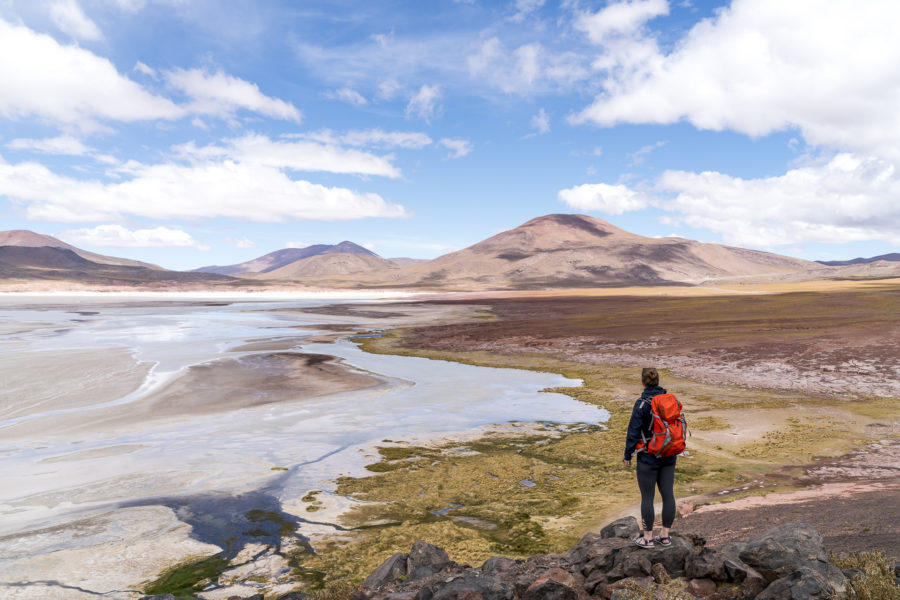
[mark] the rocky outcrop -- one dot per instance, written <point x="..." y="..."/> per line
<point x="787" y="562"/>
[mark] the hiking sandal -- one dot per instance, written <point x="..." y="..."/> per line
<point x="643" y="542"/>
<point x="663" y="541"/>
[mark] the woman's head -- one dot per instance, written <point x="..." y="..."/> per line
<point x="649" y="377"/>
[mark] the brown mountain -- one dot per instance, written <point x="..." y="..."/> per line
<point x="273" y="261"/>
<point x="330" y="265"/>
<point x="563" y="250"/>
<point x="26" y="256"/>
<point x="30" y="239"/>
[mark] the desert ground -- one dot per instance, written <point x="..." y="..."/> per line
<point x="791" y="393"/>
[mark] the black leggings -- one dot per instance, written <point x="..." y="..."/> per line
<point x="652" y="476"/>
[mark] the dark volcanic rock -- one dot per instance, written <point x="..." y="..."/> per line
<point x="424" y="560"/>
<point x="804" y="584"/>
<point x="390" y="570"/>
<point x="786" y="562"/>
<point x="787" y="549"/>
<point x="626" y="527"/>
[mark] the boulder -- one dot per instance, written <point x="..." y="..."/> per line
<point x="390" y="570"/>
<point x="424" y="560"/>
<point x="784" y="550"/>
<point x="159" y="597"/>
<point x="469" y="586"/>
<point x="803" y="584"/>
<point x="594" y="549"/>
<point x="555" y="584"/>
<point x="623" y="589"/>
<point x="626" y="527"/>
<point x="701" y="588"/>
<point x="659" y="573"/>
<point x="496" y="565"/>
<point x="294" y="596"/>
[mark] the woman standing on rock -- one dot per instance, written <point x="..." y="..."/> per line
<point x="652" y="471"/>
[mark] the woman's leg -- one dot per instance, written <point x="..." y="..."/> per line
<point x="646" y="477"/>
<point x="666" y="482"/>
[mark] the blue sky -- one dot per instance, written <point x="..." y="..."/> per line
<point x="197" y="132"/>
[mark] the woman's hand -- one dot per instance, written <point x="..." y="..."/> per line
<point x="627" y="463"/>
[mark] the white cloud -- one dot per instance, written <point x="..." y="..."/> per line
<point x="759" y="66"/>
<point x="144" y="69"/>
<point x="63" y="144"/>
<point x="460" y="148"/>
<point x="850" y="198"/>
<point x="638" y="156"/>
<point x="620" y="19"/>
<point x="66" y="84"/>
<point x="116" y="236"/>
<point x="371" y="137"/>
<point x="204" y="190"/>
<point x="369" y="246"/>
<point x="425" y="103"/>
<point x="68" y="16"/>
<point x="611" y="199"/>
<point x="296" y="245"/>
<point x="221" y="95"/>
<point x="350" y="96"/>
<point x="524" y="8"/>
<point x="241" y="242"/>
<point x="254" y="149"/>
<point x="527" y="68"/>
<point x="541" y="122"/>
<point x="388" y="89"/>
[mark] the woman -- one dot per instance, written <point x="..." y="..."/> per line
<point x="652" y="472"/>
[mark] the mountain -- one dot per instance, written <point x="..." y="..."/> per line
<point x="563" y="250"/>
<point x="330" y="265"/>
<point x="26" y="256"/>
<point x="892" y="257"/>
<point x="29" y="239"/>
<point x="274" y="261"/>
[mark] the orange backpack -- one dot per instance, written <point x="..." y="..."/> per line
<point x="669" y="427"/>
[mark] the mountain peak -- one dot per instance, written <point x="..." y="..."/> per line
<point x="24" y="237"/>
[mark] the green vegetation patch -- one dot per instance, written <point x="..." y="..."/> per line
<point x="876" y="581"/>
<point x="184" y="580"/>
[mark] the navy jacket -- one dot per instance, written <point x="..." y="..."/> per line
<point x="642" y="421"/>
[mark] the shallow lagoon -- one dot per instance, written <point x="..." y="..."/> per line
<point x="60" y="463"/>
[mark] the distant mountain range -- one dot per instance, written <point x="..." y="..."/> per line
<point x="892" y="257"/>
<point x="553" y="251"/>
<point x="26" y="256"/>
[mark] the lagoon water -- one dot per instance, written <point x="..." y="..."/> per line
<point x="63" y="459"/>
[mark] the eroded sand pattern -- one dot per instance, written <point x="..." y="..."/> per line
<point x="136" y="434"/>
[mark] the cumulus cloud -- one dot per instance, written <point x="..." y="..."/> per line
<point x="379" y="138"/>
<point x="42" y="78"/>
<point x="638" y="156"/>
<point x="524" y="8"/>
<point x="68" y="16"/>
<point x="620" y="19"/>
<point x="116" y="236"/>
<point x="459" y="147"/>
<point x="300" y="155"/>
<point x="424" y="104"/>
<point x="849" y="198"/>
<point x="350" y="96"/>
<point x="221" y="95"/>
<point x="296" y="245"/>
<point x="64" y="144"/>
<point x="388" y="89"/>
<point x="759" y="66"/>
<point x="610" y="199"/>
<point x="541" y="122"/>
<point x="527" y="68"/>
<point x="241" y="242"/>
<point x="203" y="190"/>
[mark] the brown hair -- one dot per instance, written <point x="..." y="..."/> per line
<point x="649" y="377"/>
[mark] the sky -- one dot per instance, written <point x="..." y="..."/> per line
<point x="198" y="132"/>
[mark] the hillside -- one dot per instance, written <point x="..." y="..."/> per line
<point x="892" y="257"/>
<point x="564" y="250"/>
<point x="26" y="257"/>
<point x="279" y="259"/>
<point x="330" y="265"/>
<point x="28" y="239"/>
